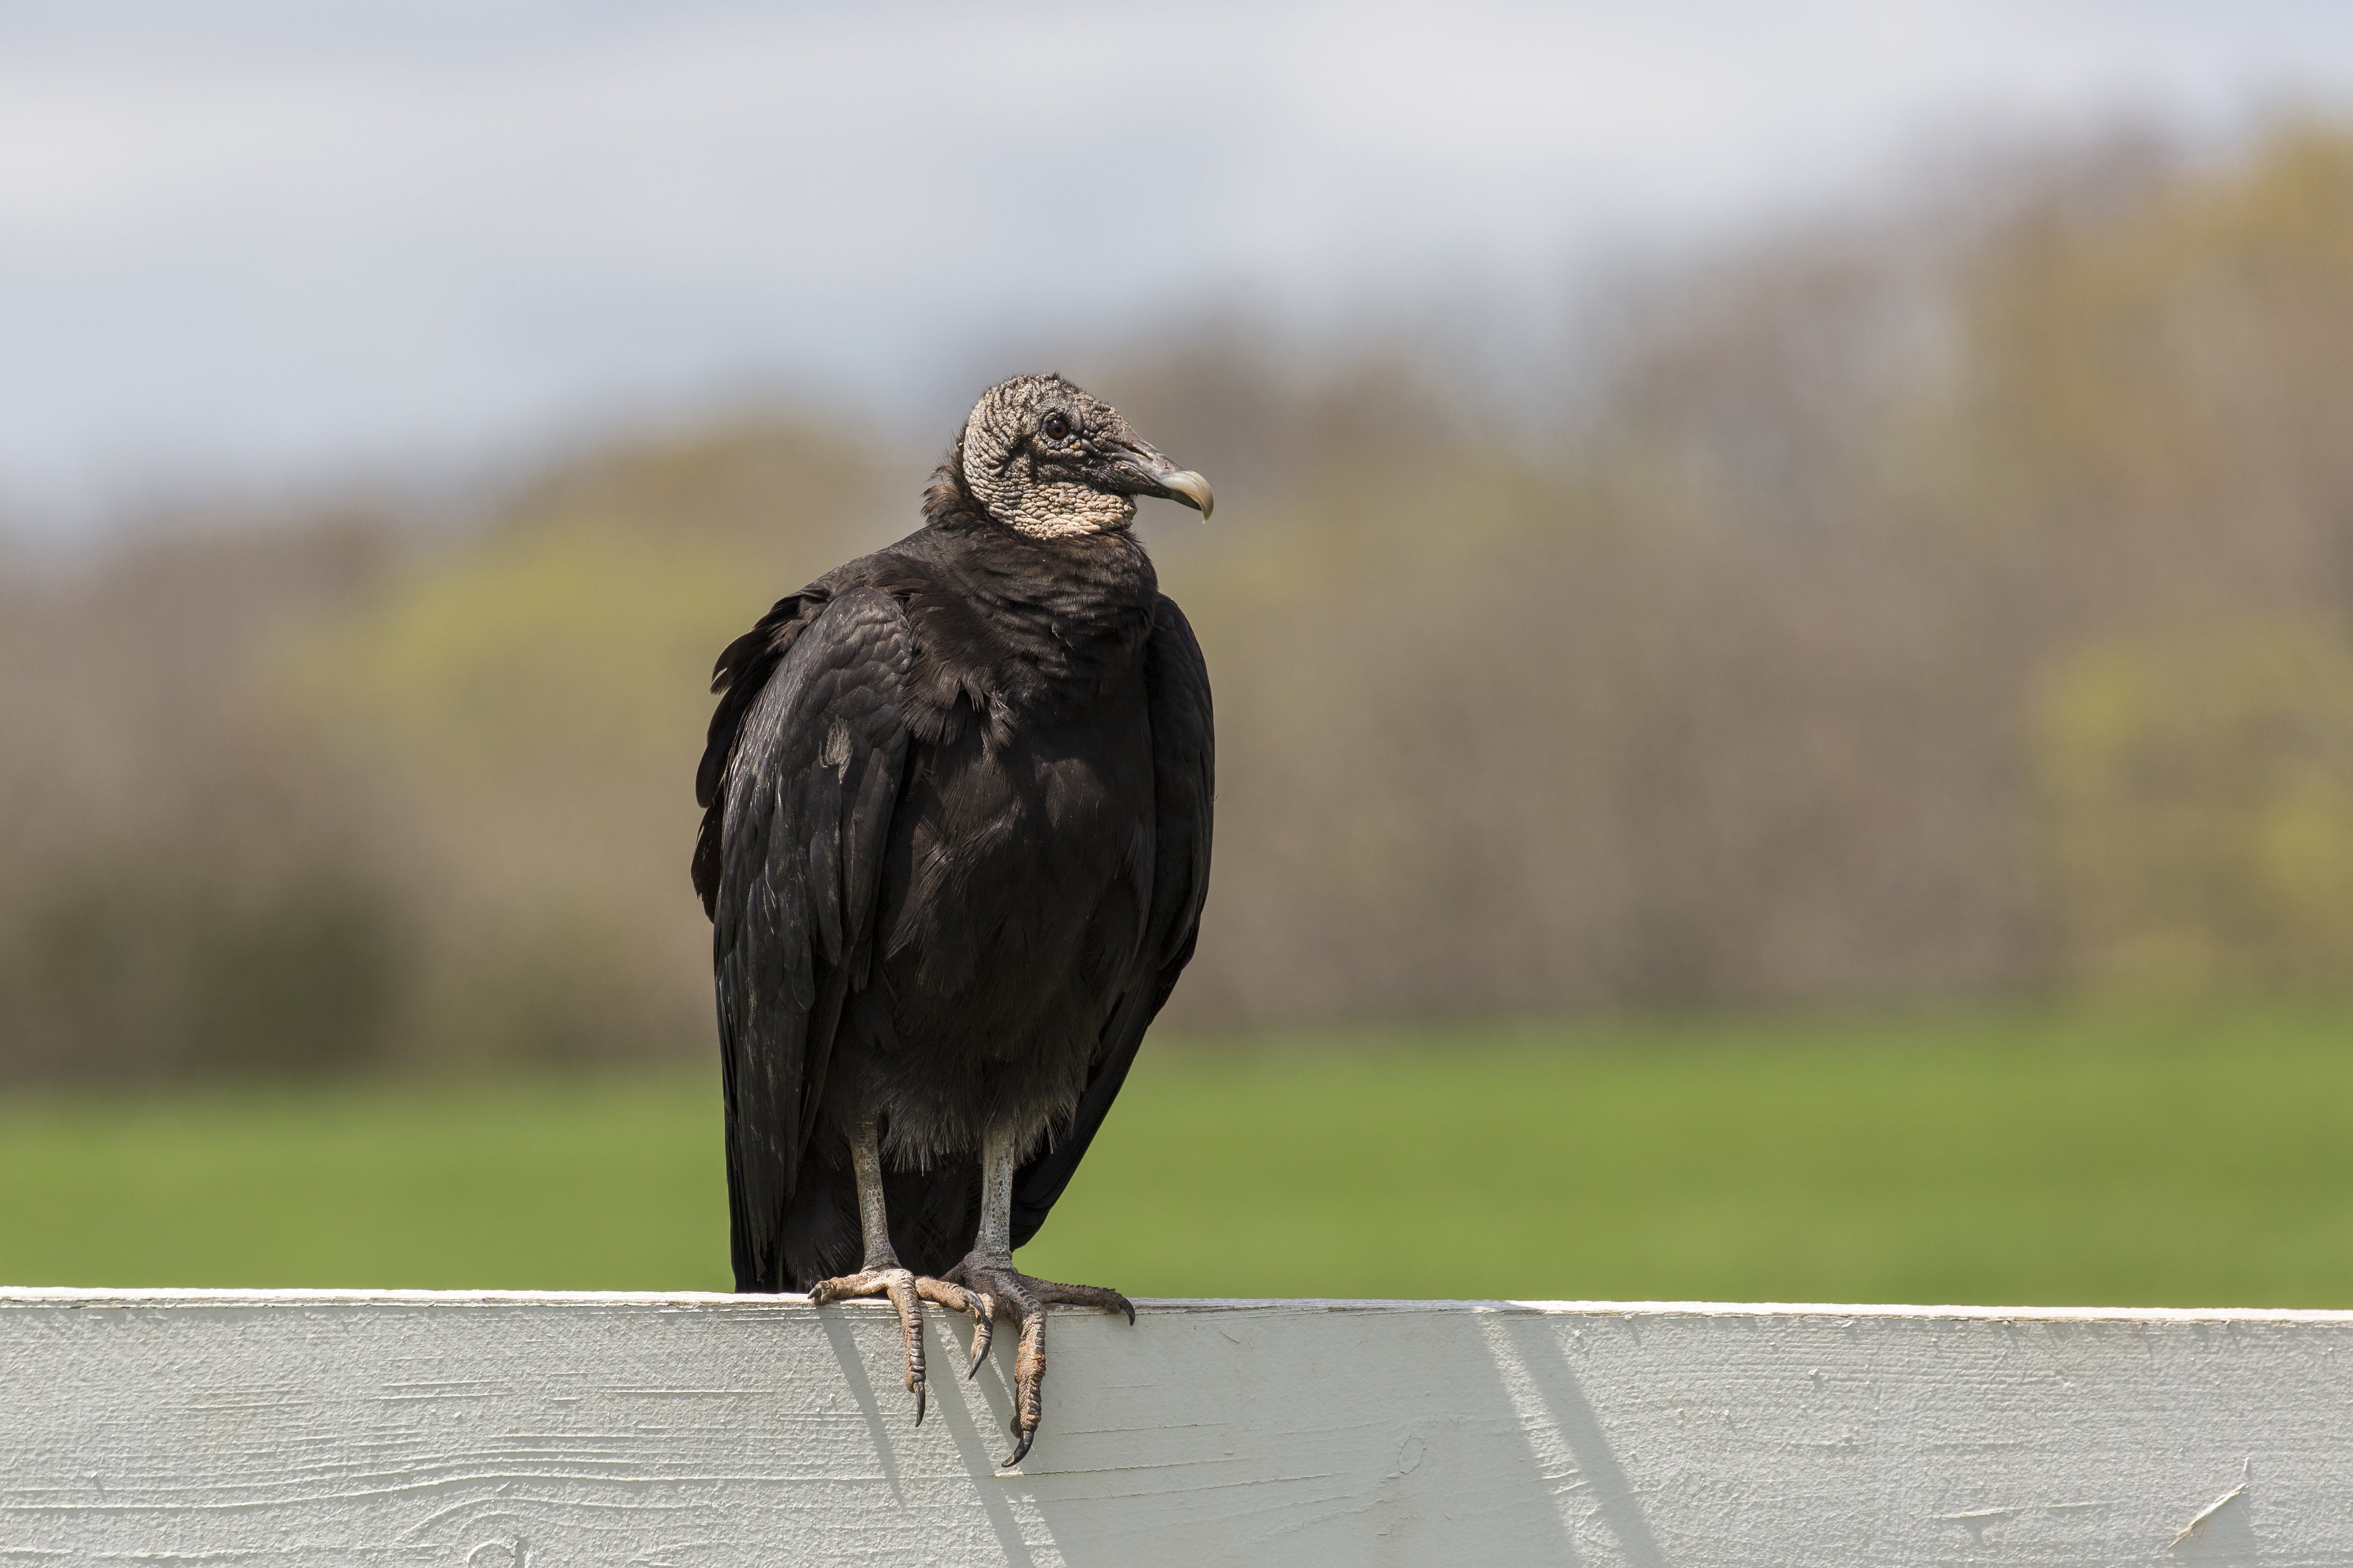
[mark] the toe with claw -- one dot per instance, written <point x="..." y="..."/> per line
<point x="996" y="1287"/>
<point x="907" y="1292"/>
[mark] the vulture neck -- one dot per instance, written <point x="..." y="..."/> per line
<point x="1072" y="613"/>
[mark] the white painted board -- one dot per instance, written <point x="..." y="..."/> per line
<point x="331" y="1428"/>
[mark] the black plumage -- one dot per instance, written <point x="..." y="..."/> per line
<point x="955" y="848"/>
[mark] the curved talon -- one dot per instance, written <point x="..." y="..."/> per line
<point x="910" y="1331"/>
<point x="1008" y="1293"/>
<point x="983" y="1333"/>
<point x="1026" y="1300"/>
<point x="907" y="1292"/>
<point x="984" y="1315"/>
<point x="1095" y="1296"/>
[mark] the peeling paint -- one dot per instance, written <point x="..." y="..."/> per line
<point x="2246" y="1475"/>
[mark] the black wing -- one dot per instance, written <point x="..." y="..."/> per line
<point x="1184" y="783"/>
<point x="799" y="782"/>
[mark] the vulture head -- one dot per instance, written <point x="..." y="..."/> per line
<point x="1046" y="460"/>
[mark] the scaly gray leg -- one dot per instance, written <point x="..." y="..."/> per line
<point x="880" y="1275"/>
<point x="988" y="1272"/>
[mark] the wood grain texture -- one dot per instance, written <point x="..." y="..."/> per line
<point x="330" y="1428"/>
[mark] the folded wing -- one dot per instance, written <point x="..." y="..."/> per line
<point x="1183" y="781"/>
<point x="799" y="782"/>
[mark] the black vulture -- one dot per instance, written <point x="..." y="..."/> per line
<point x="956" y="837"/>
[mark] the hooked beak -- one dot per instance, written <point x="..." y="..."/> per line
<point x="1164" y="479"/>
<point x="1184" y="485"/>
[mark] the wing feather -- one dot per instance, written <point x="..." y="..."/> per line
<point x="1184" y="783"/>
<point x="798" y="803"/>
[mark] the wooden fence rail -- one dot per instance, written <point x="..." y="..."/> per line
<point x="324" y="1428"/>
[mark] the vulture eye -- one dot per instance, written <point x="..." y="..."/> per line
<point x="1055" y="427"/>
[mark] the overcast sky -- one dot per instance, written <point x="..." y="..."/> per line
<point x="264" y="240"/>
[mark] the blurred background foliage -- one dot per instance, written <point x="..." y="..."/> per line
<point x="1951" y="602"/>
<point x="2191" y="1155"/>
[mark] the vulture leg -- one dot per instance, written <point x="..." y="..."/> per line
<point x="998" y="1286"/>
<point x="880" y="1274"/>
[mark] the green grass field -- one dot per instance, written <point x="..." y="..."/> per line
<point x="2027" y="1157"/>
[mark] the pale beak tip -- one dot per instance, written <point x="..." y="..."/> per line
<point x="1194" y="489"/>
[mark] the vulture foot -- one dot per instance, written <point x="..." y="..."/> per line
<point x="997" y="1287"/>
<point x="907" y="1292"/>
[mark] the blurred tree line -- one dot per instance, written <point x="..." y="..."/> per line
<point x="1958" y="601"/>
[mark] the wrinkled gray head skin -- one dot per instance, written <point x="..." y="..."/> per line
<point x="1048" y="460"/>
